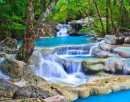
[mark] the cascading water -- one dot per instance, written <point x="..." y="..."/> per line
<point x="1" y="74"/>
<point x="50" y="68"/>
<point x="54" y="66"/>
<point x="62" y="30"/>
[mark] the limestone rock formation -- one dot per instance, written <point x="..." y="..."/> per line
<point x="16" y="69"/>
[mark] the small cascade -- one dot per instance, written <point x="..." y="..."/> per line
<point x="50" y="68"/>
<point x="73" y="67"/>
<point x="72" y="51"/>
<point x="91" y="49"/>
<point x="1" y="74"/>
<point x="63" y="30"/>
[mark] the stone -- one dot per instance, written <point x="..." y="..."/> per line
<point x="93" y="66"/>
<point x="123" y="51"/>
<point x="2" y="54"/>
<point x="100" y="53"/>
<point x="121" y="40"/>
<point x="92" y="38"/>
<point x="115" y="65"/>
<point x="33" y="91"/>
<point x="57" y="98"/>
<point x="105" y="47"/>
<point x="109" y="39"/>
<point x="16" y="69"/>
<point x="47" y="51"/>
<point x="39" y="81"/>
<point x="7" y="89"/>
<point x="11" y="43"/>
<point x="49" y="29"/>
<point x="127" y="40"/>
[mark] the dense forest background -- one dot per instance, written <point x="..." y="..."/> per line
<point x="13" y="15"/>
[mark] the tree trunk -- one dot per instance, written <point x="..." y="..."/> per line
<point x="99" y="18"/>
<point x="88" y="8"/>
<point x="107" y="17"/>
<point x="26" y="49"/>
<point x="113" y="30"/>
<point x="32" y="33"/>
<point x="119" y="20"/>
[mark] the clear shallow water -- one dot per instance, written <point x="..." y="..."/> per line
<point x="121" y="96"/>
<point x="61" y="40"/>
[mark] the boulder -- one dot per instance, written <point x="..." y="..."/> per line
<point x="115" y="65"/>
<point x="123" y="51"/>
<point x="36" y="80"/>
<point x="57" y="98"/>
<point x="16" y="69"/>
<point x="105" y="47"/>
<point x="93" y="66"/>
<point x="121" y="40"/>
<point x="2" y="54"/>
<point x="92" y="38"/>
<point x="7" y="89"/>
<point x="127" y="40"/>
<point x="100" y="53"/>
<point x="7" y="50"/>
<point x="109" y="39"/>
<point x="33" y="91"/>
<point x="49" y="29"/>
<point x="11" y="43"/>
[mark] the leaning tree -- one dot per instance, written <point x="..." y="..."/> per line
<point x="33" y="31"/>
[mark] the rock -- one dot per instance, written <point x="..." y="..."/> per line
<point x="100" y="39"/>
<point x="107" y="84"/>
<point x="16" y="69"/>
<point x="123" y="51"/>
<point x="33" y="91"/>
<point x="93" y="66"/>
<point x="57" y="98"/>
<point x="109" y="39"/>
<point x="74" y="28"/>
<point x="7" y="50"/>
<point x="115" y="65"/>
<point x="100" y="90"/>
<point x="47" y="51"/>
<point x="2" y="54"/>
<point x="105" y="47"/>
<point x="11" y="43"/>
<point x="92" y="38"/>
<point x="100" y="53"/>
<point x="49" y="29"/>
<point x="7" y="89"/>
<point x="36" y="80"/>
<point x="127" y="40"/>
<point x="121" y="40"/>
<point x="69" y="94"/>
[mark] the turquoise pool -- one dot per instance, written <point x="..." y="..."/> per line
<point x="121" y="96"/>
<point x="61" y="40"/>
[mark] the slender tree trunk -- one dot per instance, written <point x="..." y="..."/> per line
<point x="129" y="13"/>
<point x="32" y="33"/>
<point x="113" y="30"/>
<point x="119" y="20"/>
<point x="99" y="18"/>
<point x="88" y="8"/>
<point x="107" y="17"/>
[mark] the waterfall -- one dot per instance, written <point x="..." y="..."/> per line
<point x="63" y="30"/>
<point x="91" y="49"/>
<point x="50" y="68"/>
<point x="1" y="74"/>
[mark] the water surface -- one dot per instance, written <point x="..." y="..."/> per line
<point x="61" y="40"/>
<point x="121" y="96"/>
